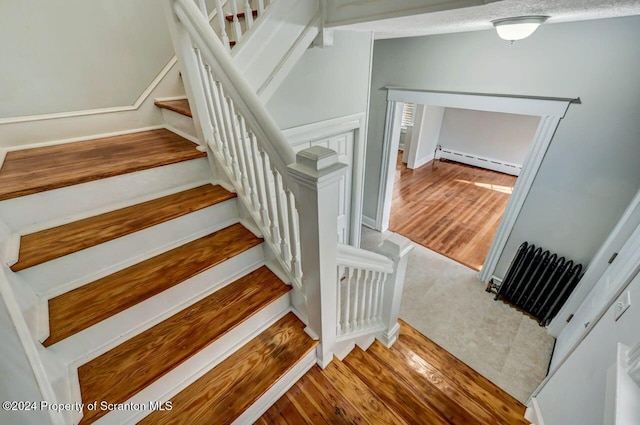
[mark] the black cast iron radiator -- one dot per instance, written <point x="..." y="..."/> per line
<point x="539" y="282"/>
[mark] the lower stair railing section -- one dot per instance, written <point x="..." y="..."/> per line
<point x="235" y="126"/>
<point x="369" y="290"/>
<point x="292" y="198"/>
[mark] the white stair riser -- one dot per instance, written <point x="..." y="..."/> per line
<point x="74" y="270"/>
<point x="182" y="123"/>
<point x="30" y="213"/>
<point x="188" y="372"/>
<point x="103" y="336"/>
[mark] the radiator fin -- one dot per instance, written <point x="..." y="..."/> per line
<point x="539" y="282"/>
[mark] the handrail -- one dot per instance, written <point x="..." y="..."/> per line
<point x="247" y="101"/>
<point x="350" y="256"/>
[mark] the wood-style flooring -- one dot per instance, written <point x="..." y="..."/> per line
<point x="123" y="371"/>
<point x="45" y="245"/>
<point x="83" y="307"/>
<point x="453" y="209"/>
<point x="414" y="382"/>
<point x="35" y="170"/>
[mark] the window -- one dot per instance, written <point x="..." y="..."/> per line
<point x="407" y="115"/>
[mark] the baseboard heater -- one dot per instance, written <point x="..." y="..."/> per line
<point x="479" y="161"/>
<point x="538" y="282"/>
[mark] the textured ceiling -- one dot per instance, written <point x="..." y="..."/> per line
<point x="479" y="17"/>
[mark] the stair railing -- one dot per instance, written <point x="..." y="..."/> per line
<point x="369" y="289"/>
<point x="291" y="198"/>
<point x="245" y="140"/>
<point x="251" y="9"/>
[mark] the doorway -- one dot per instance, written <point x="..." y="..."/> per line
<point x="550" y="111"/>
<point x="453" y="180"/>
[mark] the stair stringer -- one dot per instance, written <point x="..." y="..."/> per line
<point x="270" y="49"/>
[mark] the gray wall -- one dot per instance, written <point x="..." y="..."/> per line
<point x="576" y="393"/>
<point x="326" y="83"/>
<point x="505" y="137"/>
<point x="77" y="55"/>
<point x="590" y="172"/>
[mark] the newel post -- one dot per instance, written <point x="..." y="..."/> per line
<point x="397" y="248"/>
<point x="317" y="173"/>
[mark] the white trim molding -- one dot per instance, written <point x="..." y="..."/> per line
<point x="533" y="413"/>
<point x="355" y="123"/>
<point x="551" y="110"/>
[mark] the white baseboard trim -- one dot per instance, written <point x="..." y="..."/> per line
<point x="422" y="161"/>
<point x="369" y="222"/>
<point x="533" y="413"/>
<point x="479" y="161"/>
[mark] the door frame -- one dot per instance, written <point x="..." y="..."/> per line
<point x="550" y="110"/>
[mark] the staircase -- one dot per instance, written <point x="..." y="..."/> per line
<point x="144" y="299"/>
<point x="191" y="273"/>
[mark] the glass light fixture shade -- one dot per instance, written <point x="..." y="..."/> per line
<point x="514" y="29"/>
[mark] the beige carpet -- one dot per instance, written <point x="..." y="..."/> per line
<point x="446" y="302"/>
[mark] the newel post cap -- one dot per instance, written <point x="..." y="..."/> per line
<point x="396" y="246"/>
<point x="316" y="165"/>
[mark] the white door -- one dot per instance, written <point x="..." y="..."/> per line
<point x="343" y="145"/>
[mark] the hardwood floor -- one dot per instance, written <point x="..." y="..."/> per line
<point x="35" y="170"/>
<point x="123" y="371"/>
<point x="83" y="307"/>
<point x="39" y="247"/>
<point x="414" y="382"/>
<point x="453" y="209"/>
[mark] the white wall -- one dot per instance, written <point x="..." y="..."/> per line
<point x="576" y="393"/>
<point x="590" y="172"/>
<point x="504" y="137"/>
<point x="326" y="83"/>
<point x="77" y="55"/>
<point x="17" y="381"/>
<point x="425" y="135"/>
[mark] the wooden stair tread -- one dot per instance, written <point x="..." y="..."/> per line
<point x="180" y="106"/>
<point x="123" y="371"/>
<point x="460" y="373"/>
<point x="241" y="15"/>
<point x="36" y="170"/>
<point x="83" y="307"/>
<point x="40" y="247"/>
<point x="223" y="393"/>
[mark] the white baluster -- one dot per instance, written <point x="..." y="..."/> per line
<point x="228" y="125"/>
<point x="260" y="184"/>
<point x="284" y="244"/>
<point x="209" y="93"/>
<point x="275" y="237"/>
<point x="203" y="8"/>
<point x="248" y="14"/>
<point x="242" y="164"/>
<point x="356" y="298"/>
<point x="235" y="23"/>
<point x="221" y="125"/>
<point x="293" y="236"/>
<point x="380" y="297"/>
<point x="370" y="287"/>
<point x="341" y="271"/>
<point x="223" y="25"/>
<point x="363" y="306"/>
<point x="251" y="172"/>
<point x="260" y="7"/>
<point x="347" y="315"/>
<point x="376" y="298"/>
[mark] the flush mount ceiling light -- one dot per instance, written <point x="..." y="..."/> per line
<point x="513" y="29"/>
